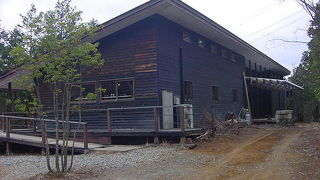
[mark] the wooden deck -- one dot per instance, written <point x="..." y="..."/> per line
<point x="37" y="142"/>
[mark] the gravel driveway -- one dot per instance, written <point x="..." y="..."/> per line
<point x="168" y="162"/>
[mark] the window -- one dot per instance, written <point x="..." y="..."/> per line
<point x="187" y="37"/>
<point x="84" y="91"/>
<point x="201" y="43"/>
<point x="117" y="89"/>
<point x="75" y="92"/>
<point x="224" y="53"/>
<point x="125" y="89"/>
<point x="233" y="58"/>
<point x="108" y="90"/>
<point x="213" y="49"/>
<point x="187" y="90"/>
<point x="235" y="95"/>
<point x="215" y="93"/>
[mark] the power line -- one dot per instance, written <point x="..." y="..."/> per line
<point x="278" y="29"/>
<point x="277" y="22"/>
<point x="251" y="17"/>
<point x="229" y="9"/>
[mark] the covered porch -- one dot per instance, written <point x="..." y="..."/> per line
<point x="266" y="96"/>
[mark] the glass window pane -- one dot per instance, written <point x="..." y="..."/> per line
<point x="187" y="37"/>
<point x="108" y="90"/>
<point x="75" y="92"/>
<point x="125" y="89"/>
<point x="215" y="93"/>
<point x="213" y="49"/>
<point x="188" y="91"/>
<point x="88" y="91"/>
<point x="200" y="42"/>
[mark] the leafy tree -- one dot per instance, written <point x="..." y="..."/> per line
<point x="8" y="40"/>
<point x="307" y="74"/>
<point x="54" y="52"/>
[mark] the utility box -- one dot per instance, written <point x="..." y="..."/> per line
<point x="284" y="117"/>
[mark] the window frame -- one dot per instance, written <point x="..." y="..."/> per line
<point x="186" y="91"/>
<point x="213" y="49"/>
<point x="215" y="96"/>
<point x="201" y="42"/>
<point x="116" y="81"/>
<point x="84" y="100"/>
<point x="186" y="36"/>
<point x="233" y="57"/>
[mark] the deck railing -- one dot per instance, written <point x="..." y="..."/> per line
<point x="7" y="121"/>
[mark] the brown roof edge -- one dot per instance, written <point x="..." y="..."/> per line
<point x="12" y="71"/>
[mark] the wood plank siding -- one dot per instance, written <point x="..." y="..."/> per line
<point x="154" y="55"/>
<point x="201" y="67"/>
<point x="129" y="54"/>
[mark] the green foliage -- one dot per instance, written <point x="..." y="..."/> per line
<point x="307" y="74"/>
<point x="8" y="40"/>
<point x="52" y="48"/>
<point x="54" y="52"/>
<point x="91" y="96"/>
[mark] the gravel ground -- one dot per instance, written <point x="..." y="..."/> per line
<point x="171" y="160"/>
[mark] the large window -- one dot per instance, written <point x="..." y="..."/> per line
<point x="235" y="95"/>
<point x="215" y="93"/>
<point x="85" y="91"/>
<point x="117" y="89"/>
<point x="187" y="90"/>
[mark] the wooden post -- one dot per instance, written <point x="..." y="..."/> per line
<point x="9" y="96"/>
<point x="34" y="124"/>
<point x="247" y="93"/>
<point x="156" y="126"/>
<point x="109" y="126"/>
<point x="7" y="128"/>
<point x="155" y="117"/>
<point x="109" y="121"/>
<point x="3" y="122"/>
<point x="85" y="137"/>
<point x="8" y="149"/>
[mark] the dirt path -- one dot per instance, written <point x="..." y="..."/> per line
<point x="262" y="156"/>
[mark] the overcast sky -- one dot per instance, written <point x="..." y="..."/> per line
<point x="262" y="23"/>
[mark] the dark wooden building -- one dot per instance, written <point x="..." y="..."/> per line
<point x="165" y="53"/>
